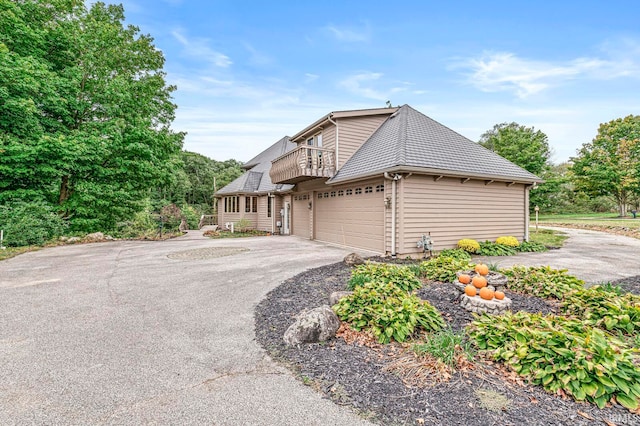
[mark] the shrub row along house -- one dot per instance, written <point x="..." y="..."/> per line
<point x="380" y="179"/>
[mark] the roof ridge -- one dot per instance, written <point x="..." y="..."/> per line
<point x="401" y="148"/>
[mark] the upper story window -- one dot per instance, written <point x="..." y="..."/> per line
<point x="315" y="140"/>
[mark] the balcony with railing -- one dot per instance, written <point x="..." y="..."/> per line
<point x="303" y="163"/>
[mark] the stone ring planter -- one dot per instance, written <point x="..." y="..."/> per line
<point x="495" y="280"/>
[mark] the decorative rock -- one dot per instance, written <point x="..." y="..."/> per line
<point x="63" y="238"/>
<point x="337" y="295"/>
<point x="353" y="259"/>
<point x="73" y="240"/>
<point x="96" y="236"/>
<point x="478" y="305"/>
<point x="311" y="326"/>
<point x="109" y="238"/>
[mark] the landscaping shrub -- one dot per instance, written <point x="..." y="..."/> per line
<point x="508" y="241"/>
<point x="143" y="225"/>
<point x="468" y="245"/>
<point x="191" y="215"/>
<point x="598" y="307"/>
<point x="384" y="273"/>
<point x="541" y="281"/>
<point x="29" y="223"/>
<point x="562" y="355"/>
<point x="443" y="268"/>
<point x="388" y="312"/>
<point x="488" y="248"/>
<point x="457" y="254"/>
<point x="243" y="225"/>
<point x="529" y="246"/>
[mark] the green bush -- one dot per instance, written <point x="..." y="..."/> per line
<point x="598" y="307"/>
<point x="488" y="248"/>
<point x="469" y="245"/>
<point x="191" y="215"/>
<point x="561" y="354"/>
<point x="541" y="281"/>
<point x="384" y="273"/>
<point x="508" y="241"/>
<point x="457" y="254"/>
<point x="144" y="224"/>
<point x="388" y="312"/>
<point x="529" y="246"/>
<point x="29" y="223"/>
<point x="444" y="268"/>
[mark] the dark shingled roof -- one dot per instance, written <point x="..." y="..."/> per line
<point x="410" y="139"/>
<point x="257" y="179"/>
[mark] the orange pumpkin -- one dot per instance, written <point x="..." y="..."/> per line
<point x="486" y="293"/>
<point x="464" y="278"/>
<point x="479" y="281"/>
<point x="499" y="295"/>
<point x="482" y="269"/>
<point x="470" y="290"/>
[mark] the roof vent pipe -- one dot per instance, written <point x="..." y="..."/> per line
<point x="394" y="180"/>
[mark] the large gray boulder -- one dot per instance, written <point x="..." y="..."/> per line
<point x="96" y="236"/>
<point x="337" y="295"/>
<point x="312" y="326"/>
<point x="353" y="259"/>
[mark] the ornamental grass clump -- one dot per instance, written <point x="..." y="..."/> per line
<point x="541" y="281"/>
<point x="562" y="355"/>
<point x="400" y="276"/>
<point x="388" y="312"/>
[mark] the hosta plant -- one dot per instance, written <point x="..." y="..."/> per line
<point x="541" y="281"/>
<point x="400" y="276"/>
<point x="562" y="355"/>
<point x="388" y="312"/>
<point x="531" y="246"/>
<point x="488" y="248"/>
<point x="598" y="307"/>
<point x="443" y="268"/>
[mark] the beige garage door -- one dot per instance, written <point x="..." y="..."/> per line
<point x="352" y="216"/>
<point x="300" y="215"/>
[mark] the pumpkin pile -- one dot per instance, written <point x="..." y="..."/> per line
<point x="478" y="284"/>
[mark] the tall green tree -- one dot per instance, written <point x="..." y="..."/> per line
<point x="524" y="146"/>
<point x="529" y="149"/>
<point x="610" y="164"/>
<point x="85" y="112"/>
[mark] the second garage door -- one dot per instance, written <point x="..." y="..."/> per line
<point x="352" y="216"/>
<point x="300" y="215"/>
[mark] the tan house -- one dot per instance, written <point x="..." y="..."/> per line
<point x="381" y="179"/>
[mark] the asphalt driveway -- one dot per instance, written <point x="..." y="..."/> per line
<point x="162" y="332"/>
<point x="120" y="333"/>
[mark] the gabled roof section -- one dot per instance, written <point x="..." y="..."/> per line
<point x="411" y="141"/>
<point x="256" y="179"/>
<point x="341" y="114"/>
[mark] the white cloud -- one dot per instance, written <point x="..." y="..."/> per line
<point x="309" y="77"/>
<point x="506" y="72"/>
<point x="361" y="84"/>
<point x="199" y="48"/>
<point x="350" y="34"/>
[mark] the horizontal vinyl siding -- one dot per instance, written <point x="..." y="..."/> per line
<point x="329" y="137"/>
<point x="264" y="222"/>
<point x="353" y="132"/>
<point x="451" y="210"/>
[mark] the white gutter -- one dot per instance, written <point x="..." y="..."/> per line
<point x="394" y="181"/>
<point x="337" y="137"/>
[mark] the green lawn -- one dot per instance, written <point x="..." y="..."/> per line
<point x="548" y="237"/>
<point x="591" y="219"/>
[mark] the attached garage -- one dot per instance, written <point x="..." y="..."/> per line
<point x="300" y="215"/>
<point x="352" y="216"/>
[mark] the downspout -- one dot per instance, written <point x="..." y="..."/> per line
<point x="337" y="137"/>
<point x="394" y="181"/>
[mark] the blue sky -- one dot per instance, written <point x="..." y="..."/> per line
<point x="250" y="72"/>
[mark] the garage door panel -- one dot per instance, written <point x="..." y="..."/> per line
<point x="355" y="220"/>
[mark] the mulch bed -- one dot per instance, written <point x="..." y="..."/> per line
<point x="352" y="375"/>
